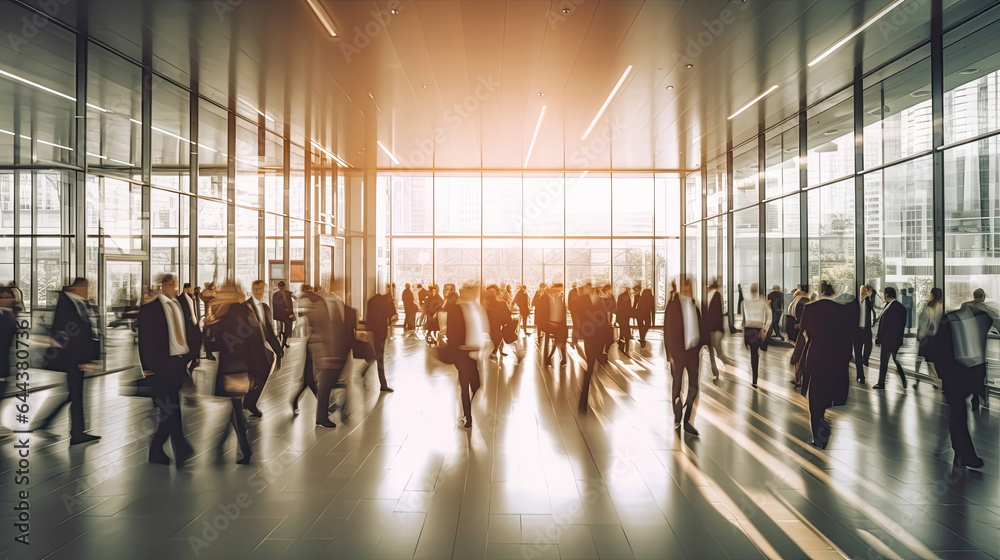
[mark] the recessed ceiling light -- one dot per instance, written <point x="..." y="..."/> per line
<point x="425" y="86"/>
<point x="370" y="95"/>
<point x="689" y="65"/>
<point x="565" y="10"/>
<point x="394" y="12"/>
<point x="876" y="112"/>
<point x="969" y="71"/>
<point x="920" y="93"/>
<point x="670" y="87"/>
<point x="831" y="132"/>
<point x="541" y="94"/>
<point x="857" y="31"/>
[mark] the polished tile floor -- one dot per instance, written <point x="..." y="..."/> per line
<point x="532" y="478"/>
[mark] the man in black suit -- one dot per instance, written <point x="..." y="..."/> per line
<point x="521" y="302"/>
<point x="284" y="311"/>
<point x="711" y="321"/>
<point x="378" y="312"/>
<point x="570" y="301"/>
<point x="263" y="314"/>
<point x="73" y="331"/>
<point x="164" y="354"/>
<point x="593" y="322"/>
<point x="824" y="348"/>
<point x="623" y="316"/>
<point x="409" y="309"/>
<point x="558" y="332"/>
<point x="891" y="327"/>
<point x="776" y="301"/>
<point x="190" y="308"/>
<point x="645" y="307"/>
<point x="535" y="299"/>
<point x="683" y="337"/>
<point x="863" y="333"/>
<point x="317" y="346"/>
<point x="499" y="316"/>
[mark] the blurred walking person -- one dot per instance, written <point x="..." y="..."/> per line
<point x="539" y="318"/>
<point x="593" y="329"/>
<point x="979" y="302"/>
<point x="862" y="339"/>
<point x="824" y="350"/>
<point x="558" y="332"/>
<point x="409" y="310"/>
<point x="645" y="308"/>
<point x="76" y="351"/>
<point x="432" y="304"/>
<point x="625" y="310"/>
<point x="776" y="301"/>
<point x="891" y="328"/>
<point x="283" y="306"/>
<point x="164" y="354"/>
<point x="523" y="308"/>
<point x="378" y="316"/>
<point x="757" y="317"/>
<point x="682" y="342"/>
<point x="275" y="349"/>
<point x="499" y="317"/>
<point x="711" y="317"/>
<point x="927" y="325"/>
<point x="467" y="324"/>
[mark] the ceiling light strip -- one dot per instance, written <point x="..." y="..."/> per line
<point x="33" y="84"/>
<point x="855" y="33"/>
<point x="323" y="16"/>
<point x="755" y="99"/>
<point x="606" y="103"/>
<point x="534" y="136"/>
<point x="387" y="152"/>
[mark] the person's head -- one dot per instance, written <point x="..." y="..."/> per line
<point x="78" y="287"/>
<point x="406" y="286"/>
<point x="8" y="297"/>
<point x="492" y="289"/>
<point x="557" y="288"/>
<point x="469" y="291"/>
<point x="167" y="283"/>
<point x="637" y="288"/>
<point x="739" y="286"/>
<point x="281" y="284"/>
<point x="449" y="289"/>
<point x="197" y="289"/>
<point x="826" y="289"/>
<point x="890" y="293"/>
<point x="187" y="288"/>
<point x="257" y="287"/>
<point x="228" y="293"/>
<point x="979" y="295"/>
<point x="541" y="286"/>
<point x="306" y="288"/>
<point x="684" y="286"/>
<point x="433" y="289"/>
<point x="800" y="293"/>
<point x="420" y="286"/>
<point x="776" y="288"/>
<point x="754" y="290"/>
<point x="714" y="284"/>
<point x="585" y="289"/>
<point x="936" y="296"/>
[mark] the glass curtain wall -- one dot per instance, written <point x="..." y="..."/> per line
<point x="620" y="229"/>
<point x="212" y="206"/>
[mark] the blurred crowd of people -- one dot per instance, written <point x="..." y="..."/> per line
<point x="246" y="337"/>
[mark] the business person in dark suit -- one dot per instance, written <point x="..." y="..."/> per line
<point x="570" y="300"/>
<point x="558" y="332"/>
<point x="78" y="348"/>
<point x="317" y="317"/>
<point x="824" y="350"/>
<point x="523" y="309"/>
<point x="189" y="305"/>
<point x="623" y="316"/>
<point x="645" y="307"/>
<point x="164" y="355"/>
<point x="863" y="332"/>
<point x="409" y="309"/>
<point x="539" y="318"/>
<point x="378" y="313"/>
<point x="711" y="321"/>
<point x="467" y="324"/>
<point x="683" y="338"/>
<point x="244" y="359"/>
<point x="891" y="327"/>
<point x="274" y="350"/>
<point x="593" y="323"/>
<point x="283" y="306"/>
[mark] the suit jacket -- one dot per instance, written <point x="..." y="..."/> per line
<point x="267" y="326"/>
<point x="625" y="309"/>
<point x="542" y="306"/>
<point x="72" y="329"/>
<point x="409" y="305"/>
<point x="191" y="329"/>
<point x="240" y="341"/>
<point x="571" y="299"/>
<point x="284" y="309"/>
<point x="498" y="315"/>
<point x="341" y="330"/>
<point x="377" y="315"/>
<point x="824" y="347"/>
<point x="891" y="326"/>
<point x="673" y="331"/>
<point x="776" y="300"/>
<point x="154" y="348"/>
<point x="521" y="301"/>
<point x="711" y="312"/>
<point x="645" y="305"/>
<point x="422" y="295"/>
<point x="594" y="324"/>
<point x="8" y="328"/>
<point x="941" y="350"/>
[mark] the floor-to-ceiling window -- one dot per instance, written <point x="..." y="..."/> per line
<point x="620" y="229"/>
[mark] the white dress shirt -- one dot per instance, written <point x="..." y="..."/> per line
<point x="175" y="326"/>
<point x="259" y="309"/>
<point x="691" y="327"/>
<point x="192" y="306"/>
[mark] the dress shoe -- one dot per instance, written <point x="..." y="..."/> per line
<point x="325" y="424"/>
<point x="83" y="438"/>
<point x="879" y="387"/>
<point x="861" y="380"/>
<point x="817" y="444"/>
<point x="253" y="410"/>
<point x="386" y="390"/>
<point x="688" y="428"/>
<point x="295" y="408"/>
<point x="159" y="458"/>
<point x="465" y="422"/>
<point x="183" y="454"/>
<point x="243" y="460"/>
<point x="754" y="385"/>
<point x="975" y="463"/>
